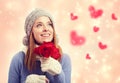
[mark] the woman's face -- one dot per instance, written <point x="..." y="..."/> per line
<point x="43" y="30"/>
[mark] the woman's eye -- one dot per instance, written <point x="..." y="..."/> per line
<point x="50" y="24"/>
<point x="38" y="25"/>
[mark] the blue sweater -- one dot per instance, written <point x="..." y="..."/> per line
<point x="18" y="72"/>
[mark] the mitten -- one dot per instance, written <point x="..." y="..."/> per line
<point x="34" y="78"/>
<point x="50" y="65"/>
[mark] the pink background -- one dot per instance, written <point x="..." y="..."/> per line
<point x="75" y="22"/>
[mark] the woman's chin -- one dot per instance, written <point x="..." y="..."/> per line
<point x="45" y="41"/>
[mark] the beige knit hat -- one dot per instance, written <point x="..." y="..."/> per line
<point x="30" y="21"/>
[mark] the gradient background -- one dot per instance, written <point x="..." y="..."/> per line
<point x="78" y="31"/>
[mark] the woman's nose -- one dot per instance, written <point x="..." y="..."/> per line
<point x="45" y="28"/>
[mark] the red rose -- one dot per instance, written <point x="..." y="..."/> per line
<point x="47" y="49"/>
<point x="55" y="54"/>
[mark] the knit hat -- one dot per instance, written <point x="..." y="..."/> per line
<point x="30" y="21"/>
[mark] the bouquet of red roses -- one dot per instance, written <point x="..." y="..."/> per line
<point x="47" y="49"/>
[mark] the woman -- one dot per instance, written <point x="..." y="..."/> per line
<point x="25" y="67"/>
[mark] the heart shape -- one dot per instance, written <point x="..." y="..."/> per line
<point x="95" y="13"/>
<point x="76" y="39"/>
<point x="88" y="56"/>
<point x="73" y="17"/>
<point x="114" y="16"/>
<point x="95" y="29"/>
<point x="102" y="46"/>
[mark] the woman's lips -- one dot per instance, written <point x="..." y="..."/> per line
<point x="45" y="35"/>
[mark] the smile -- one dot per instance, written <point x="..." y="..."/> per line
<point x="45" y="35"/>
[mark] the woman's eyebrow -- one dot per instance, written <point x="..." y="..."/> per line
<point x="38" y="22"/>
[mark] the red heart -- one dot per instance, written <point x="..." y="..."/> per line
<point x="76" y="39"/>
<point x="102" y="46"/>
<point x="95" y="29"/>
<point x="73" y="17"/>
<point x="91" y="8"/>
<point x="114" y="17"/>
<point x="88" y="56"/>
<point x="95" y="13"/>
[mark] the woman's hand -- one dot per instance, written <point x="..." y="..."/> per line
<point x="50" y="65"/>
<point x="34" y="78"/>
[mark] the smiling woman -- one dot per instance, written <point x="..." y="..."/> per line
<point x="30" y="66"/>
<point x="43" y="30"/>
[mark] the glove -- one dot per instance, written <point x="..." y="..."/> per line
<point x="34" y="78"/>
<point x="50" y="65"/>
